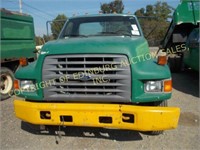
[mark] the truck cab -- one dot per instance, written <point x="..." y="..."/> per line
<point x="98" y="73"/>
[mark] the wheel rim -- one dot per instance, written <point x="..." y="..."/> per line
<point x="6" y="84"/>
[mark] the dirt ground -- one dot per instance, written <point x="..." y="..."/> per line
<point x="19" y="135"/>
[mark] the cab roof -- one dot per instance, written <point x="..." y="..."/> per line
<point x="101" y="15"/>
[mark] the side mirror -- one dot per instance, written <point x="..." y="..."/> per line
<point x="35" y="51"/>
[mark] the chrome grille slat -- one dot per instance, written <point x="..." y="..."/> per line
<point x="108" y="80"/>
<point x="87" y="84"/>
<point x="81" y="98"/>
<point x="77" y="63"/>
<point x="87" y="90"/>
<point x="106" y="76"/>
<point x="83" y="69"/>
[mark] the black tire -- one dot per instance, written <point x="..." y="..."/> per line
<point x="7" y="80"/>
<point x="175" y="63"/>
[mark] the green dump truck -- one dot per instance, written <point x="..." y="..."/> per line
<point x="17" y="41"/>
<point x="98" y="73"/>
<point x="182" y="38"/>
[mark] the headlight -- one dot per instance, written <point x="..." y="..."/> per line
<point x="27" y="85"/>
<point x="153" y="86"/>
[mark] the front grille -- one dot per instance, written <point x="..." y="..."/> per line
<point x="87" y="77"/>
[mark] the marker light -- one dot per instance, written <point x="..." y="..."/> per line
<point x="162" y="60"/>
<point x="23" y="62"/>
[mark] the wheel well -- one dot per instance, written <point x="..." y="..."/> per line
<point x="12" y="65"/>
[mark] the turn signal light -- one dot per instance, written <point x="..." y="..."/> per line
<point x="167" y="85"/>
<point x="23" y="62"/>
<point x="16" y="84"/>
<point x="162" y="60"/>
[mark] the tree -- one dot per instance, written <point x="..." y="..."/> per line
<point x="115" y="6"/>
<point x="57" y="24"/>
<point x="48" y="38"/>
<point x="157" y="17"/>
<point x="42" y="40"/>
<point x="39" y="40"/>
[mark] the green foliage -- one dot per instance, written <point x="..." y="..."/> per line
<point x="48" y="38"/>
<point x="156" y="23"/>
<point x="57" y="24"/>
<point x="42" y="40"/>
<point x="115" y="6"/>
<point x="39" y="40"/>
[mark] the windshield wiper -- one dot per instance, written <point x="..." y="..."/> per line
<point x="75" y="35"/>
<point x="109" y="33"/>
<point x="115" y="33"/>
<point x="127" y="34"/>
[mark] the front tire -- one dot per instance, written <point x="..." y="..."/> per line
<point x="7" y="80"/>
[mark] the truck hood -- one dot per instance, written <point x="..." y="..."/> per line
<point x="105" y="44"/>
<point x="132" y="47"/>
<point x="135" y="48"/>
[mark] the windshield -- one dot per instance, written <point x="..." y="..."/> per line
<point x="101" y="26"/>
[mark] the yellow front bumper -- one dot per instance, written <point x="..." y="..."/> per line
<point x="130" y="117"/>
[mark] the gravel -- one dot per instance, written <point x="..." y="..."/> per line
<point x="19" y="135"/>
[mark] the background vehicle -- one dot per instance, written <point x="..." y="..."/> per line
<point x="185" y="20"/>
<point x="17" y="41"/>
<point x="191" y="57"/>
<point x="98" y="73"/>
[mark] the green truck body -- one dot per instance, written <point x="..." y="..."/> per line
<point x="98" y="73"/>
<point x="17" y="36"/>
<point x="190" y="9"/>
<point x="17" y="41"/>
<point x="185" y="19"/>
<point x="191" y="56"/>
